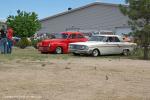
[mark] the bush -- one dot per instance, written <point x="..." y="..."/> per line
<point x="138" y="53"/>
<point x="23" y="43"/>
<point x="34" y="43"/>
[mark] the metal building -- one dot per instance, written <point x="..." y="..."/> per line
<point x="89" y="18"/>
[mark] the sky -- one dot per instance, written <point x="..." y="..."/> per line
<point x="44" y="8"/>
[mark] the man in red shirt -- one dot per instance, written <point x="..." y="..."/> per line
<point x="10" y="41"/>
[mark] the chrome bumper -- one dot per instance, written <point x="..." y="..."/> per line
<point x="80" y="51"/>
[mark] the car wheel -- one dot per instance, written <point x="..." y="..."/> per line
<point x="35" y="47"/>
<point x="76" y="54"/>
<point x="95" y="53"/>
<point x="44" y="52"/>
<point x="126" y="52"/>
<point x="58" y="50"/>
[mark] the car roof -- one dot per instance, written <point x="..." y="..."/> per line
<point x="104" y="31"/>
<point x="71" y="32"/>
<point x="108" y="35"/>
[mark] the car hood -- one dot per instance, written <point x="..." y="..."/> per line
<point x="53" y="40"/>
<point x="48" y="41"/>
<point x="88" y="43"/>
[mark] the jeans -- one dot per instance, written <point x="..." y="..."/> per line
<point x="9" y="46"/>
<point x="3" y="43"/>
<point x="0" y="45"/>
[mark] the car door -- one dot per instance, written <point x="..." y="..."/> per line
<point x="80" y="38"/>
<point x="118" y="45"/>
<point x="72" y="38"/>
<point x="113" y="45"/>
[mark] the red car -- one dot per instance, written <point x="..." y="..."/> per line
<point x="60" y="42"/>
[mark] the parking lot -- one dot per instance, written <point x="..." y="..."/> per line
<point x="29" y="75"/>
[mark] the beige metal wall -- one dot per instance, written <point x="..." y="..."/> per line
<point x="96" y="17"/>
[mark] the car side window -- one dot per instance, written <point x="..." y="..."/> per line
<point x="80" y="36"/>
<point x="117" y="39"/>
<point x="72" y="36"/>
<point x="110" y="39"/>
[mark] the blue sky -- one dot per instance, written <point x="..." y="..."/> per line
<point x="43" y="8"/>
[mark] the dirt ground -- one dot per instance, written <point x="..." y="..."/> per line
<point x="83" y="78"/>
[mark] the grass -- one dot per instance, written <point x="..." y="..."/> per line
<point x="33" y="54"/>
<point x="138" y="54"/>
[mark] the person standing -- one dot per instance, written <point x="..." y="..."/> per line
<point x="126" y="38"/>
<point x="3" y="40"/>
<point x="0" y="41"/>
<point x="9" y="39"/>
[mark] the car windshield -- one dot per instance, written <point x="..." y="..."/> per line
<point x="97" y="38"/>
<point x="59" y="35"/>
<point x="121" y="39"/>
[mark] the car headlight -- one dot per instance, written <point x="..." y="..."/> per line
<point x="83" y="47"/>
<point x="49" y="45"/>
<point x="70" y="46"/>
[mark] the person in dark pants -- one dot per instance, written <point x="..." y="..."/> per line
<point x="3" y="40"/>
<point x="0" y="42"/>
<point x="9" y="39"/>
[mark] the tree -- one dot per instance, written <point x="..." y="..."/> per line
<point x="24" y="24"/>
<point x="138" y="12"/>
<point x="0" y="24"/>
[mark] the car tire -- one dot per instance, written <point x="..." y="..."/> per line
<point x="126" y="52"/>
<point x="76" y="54"/>
<point x="59" y="50"/>
<point x="35" y="47"/>
<point x="44" y="52"/>
<point x="95" y="53"/>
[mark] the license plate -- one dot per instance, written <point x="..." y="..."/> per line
<point x="76" y="52"/>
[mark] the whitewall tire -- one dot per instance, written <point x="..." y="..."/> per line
<point x="95" y="53"/>
<point x="58" y="50"/>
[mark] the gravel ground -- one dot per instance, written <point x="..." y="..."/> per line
<point x="83" y="78"/>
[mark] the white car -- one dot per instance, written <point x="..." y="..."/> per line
<point x="102" y="45"/>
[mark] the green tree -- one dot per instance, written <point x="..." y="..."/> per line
<point x="24" y="24"/>
<point x="138" y="12"/>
